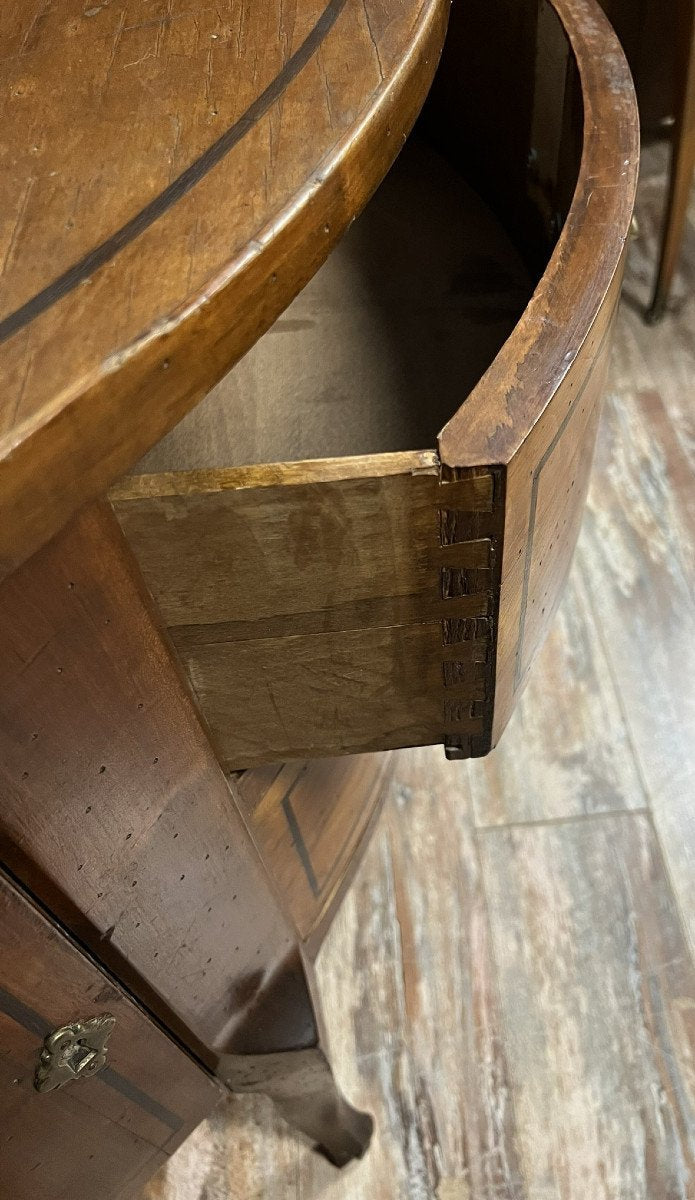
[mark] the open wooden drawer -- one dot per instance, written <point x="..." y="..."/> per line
<point x="334" y="576"/>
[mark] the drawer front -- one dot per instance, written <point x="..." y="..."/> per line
<point x="95" y="1137"/>
<point x="310" y="822"/>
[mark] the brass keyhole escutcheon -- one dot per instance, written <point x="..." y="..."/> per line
<point x="75" y="1051"/>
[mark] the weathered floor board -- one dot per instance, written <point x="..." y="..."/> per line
<point x="508" y="985"/>
<point x="641" y="566"/>
<point x="542" y="769"/>
<point x="637" y="551"/>
<point x="598" y="995"/>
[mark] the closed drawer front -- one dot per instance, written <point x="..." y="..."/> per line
<point x="98" y="1137"/>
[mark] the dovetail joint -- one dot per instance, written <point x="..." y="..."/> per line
<point x="470" y="512"/>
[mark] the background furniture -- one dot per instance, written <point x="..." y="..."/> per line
<point x="129" y="288"/>
<point x="659" y="42"/>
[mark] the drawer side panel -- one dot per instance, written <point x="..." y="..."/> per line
<point x="330" y="616"/>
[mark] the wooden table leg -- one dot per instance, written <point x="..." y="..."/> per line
<point x="682" y="164"/>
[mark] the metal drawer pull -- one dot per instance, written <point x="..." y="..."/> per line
<point x="75" y="1051"/>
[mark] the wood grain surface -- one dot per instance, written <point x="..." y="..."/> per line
<point x="240" y="554"/>
<point x="535" y="410"/>
<point x="173" y="176"/>
<point x="515" y="1004"/>
<point x="324" y="608"/>
<point x="153" y="870"/>
<point x="92" y="1137"/>
<point x="309" y="822"/>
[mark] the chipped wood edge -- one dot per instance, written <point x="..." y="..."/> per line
<point x="279" y="474"/>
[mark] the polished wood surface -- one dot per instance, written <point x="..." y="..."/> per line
<point x="173" y="178"/>
<point x="100" y="740"/>
<point x="510" y="980"/>
<point x="152" y="867"/>
<point x="93" y="1137"/>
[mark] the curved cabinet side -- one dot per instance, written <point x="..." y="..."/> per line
<point x="532" y="419"/>
<point x="546" y="484"/>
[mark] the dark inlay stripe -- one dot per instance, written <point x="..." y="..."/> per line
<point x="317" y="887"/>
<point x="22" y="1015"/>
<point x="19" y="1012"/>
<point x="299" y="843"/>
<point x="178" y="188"/>
<point x="131" y="1092"/>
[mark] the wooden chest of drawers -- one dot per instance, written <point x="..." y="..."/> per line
<point x="356" y="542"/>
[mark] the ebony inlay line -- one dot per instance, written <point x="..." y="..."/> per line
<point x="179" y="187"/>
<point x="299" y="843"/>
<point x="127" y="1088"/>
<point x="317" y="886"/>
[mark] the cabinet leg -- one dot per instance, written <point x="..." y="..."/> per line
<point x="301" y="1084"/>
<point x="280" y="1051"/>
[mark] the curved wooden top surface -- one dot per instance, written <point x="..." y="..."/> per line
<point x="499" y="414"/>
<point x="172" y="174"/>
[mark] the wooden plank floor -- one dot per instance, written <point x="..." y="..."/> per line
<point x="510" y="985"/>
